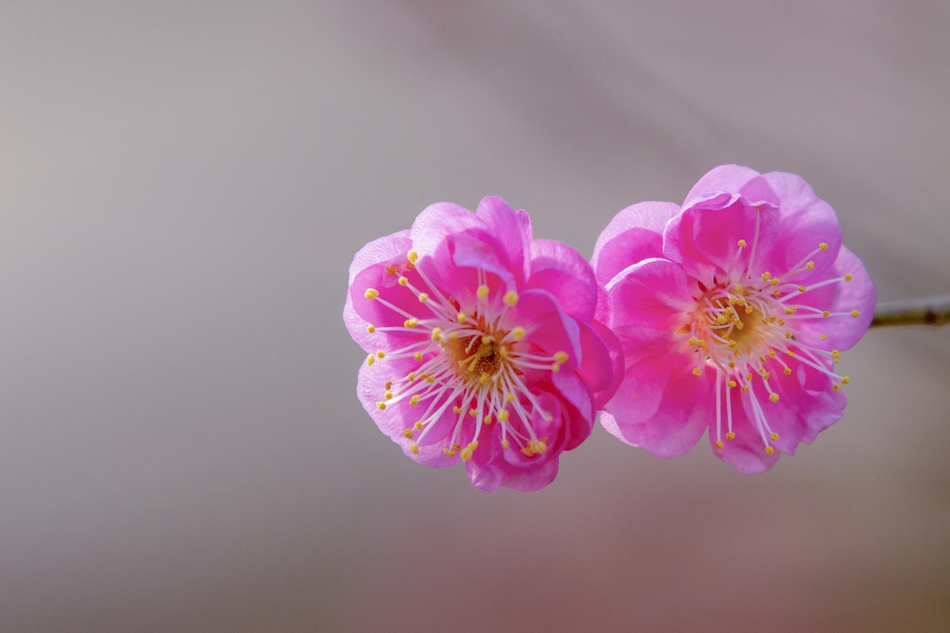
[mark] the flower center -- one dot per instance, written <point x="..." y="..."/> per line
<point x="477" y="362"/>
<point x="749" y="326"/>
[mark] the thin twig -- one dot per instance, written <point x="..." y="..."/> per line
<point x="925" y="311"/>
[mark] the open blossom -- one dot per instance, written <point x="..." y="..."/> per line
<point x="482" y="343"/>
<point x="732" y="312"/>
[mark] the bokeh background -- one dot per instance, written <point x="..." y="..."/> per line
<point x="183" y="185"/>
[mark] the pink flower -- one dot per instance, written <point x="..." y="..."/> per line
<point x="732" y="312"/>
<point x="482" y="342"/>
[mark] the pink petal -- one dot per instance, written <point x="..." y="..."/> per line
<point x="653" y="293"/>
<point x="635" y="234"/>
<point x="725" y="178"/>
<point x="378" y="251"/>
<point x="747" y="451"/>
<point x="512" y="229"/>
<point x="564" y="273"/>
<point x="706" y="238"/>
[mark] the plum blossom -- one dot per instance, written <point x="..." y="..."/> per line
<point x="732" y="311"/>
<point x="482" y="344"/>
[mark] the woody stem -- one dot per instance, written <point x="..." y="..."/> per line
<point x="925" y="311"/>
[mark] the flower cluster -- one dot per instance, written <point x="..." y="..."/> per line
<point x="492" y="348"/>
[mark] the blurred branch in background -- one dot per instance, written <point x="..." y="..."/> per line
<point x="926" y="311"/>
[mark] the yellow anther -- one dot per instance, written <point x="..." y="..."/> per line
<point x="388" y="395"/>
<point x="762" y="358"/>
<point x="371" y="293"/>
<point x="561" y="357"/>
<point x="766" y="375"/>
<point x="403" y="281"/>
<point x="510" y="397"/>
<point x="466" y="454"/>
<point x="456" y="447"/>
<point x="484" y="378"/>
<point x="370" y="360"/>
<point x="855" y="313"/>
<point x="430" y="379"/>
<point x="766" y="276"/>
<point x="790" y="310"/>
<point x="790" y="353"/>
<point x="748" y="376"/>
<point x="845" y="380"/>
<point x="482" y="292"/>
<point x="504" y="352"/>
<point x="505" y="444"/>
<point x="848" y="277"/>
<point x="732" y="384"/>
<point x="527" y="451"/>
<point x="732" y="300"/>
<point x="488" y="420"/>
<point x="719" y="444"/>
<point x="510" y="298"/>
<point x="739" y="288"/>
<point x="693" y="341"/>
<point x="836" y="387"/>
<point x="742" y="244"/>
<point x="555" y="368"/>
<point x="749" y="310"/>
<point x="823" y="246"/>
<point x="788" y="371"/>
<point x="732" y="364"/>
<point x="391" y="269"/>
<point x="381" y="406"/>
<point x="835" y="354"/>
<point x="826" y="314"/>
<point x="388" y="385"/>
<point x="413" y="401"/>
<point x="486" y="339"/>
<point x="461" y="317"/>
<point x="810" y="265"/>
<point x="788" y="335"/>
<point x="448" y="452"/>
<point x="370" y="329"/>
<point x="722" y="319"/>
<point x="781" y="322"/>
<point x="802" y="288"/>
<point x="503" y="415"/>
<point x="380" y="354"/>
<point x="774" y="282"/>
<point x="697" y="372"/>
<point x="411" y="323"/>
<point x="774" y="398"/>
<point x="418" y="426"/>
<point x="436" y="332"/>
<point x="776" y="293"/>
<point x="774" y="436"/>
<point x="412" y="256"/>
<point x="407" y="433"/>
<point x="730" y="435"/>
<point x="473" y="412"/>
<point x="518" y="333"/>
<point x="771" y="353"/>
<point x="423" y="297"/>
<point x="769" y="450"/>
<point x="418" y="358"/>
<point x="457" y="409"/>
<point x="414" y="448"/>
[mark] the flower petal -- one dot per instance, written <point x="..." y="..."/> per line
<point x="635" y="234"/>
<point x="564" y="273"/>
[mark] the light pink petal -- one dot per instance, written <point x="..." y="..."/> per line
<point x="635" y="234"/>
<point x="805" y="221"/>
<point x="807" y="405"/>
<point x="382" y="250"/>
<point x="725" y="178"/>
<point x="509" y="229"/>
<point x="653" y="293"/>
<point x="638" y="397"/>
<point x="706" y="239"/>
<point x="842" y="330"/>
<point x="685" y="410"/>
<point x="565" y="274"/>
<point x="747" y="451"/>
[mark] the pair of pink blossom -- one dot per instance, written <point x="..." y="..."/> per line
<point x="492" y="348"/>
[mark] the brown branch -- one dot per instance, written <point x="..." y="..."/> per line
<point x="925" y="311"/>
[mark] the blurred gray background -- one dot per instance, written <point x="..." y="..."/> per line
<point x="182" y="187"/>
